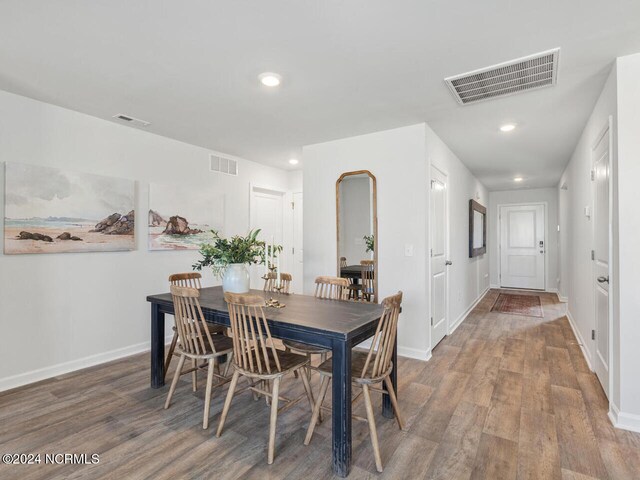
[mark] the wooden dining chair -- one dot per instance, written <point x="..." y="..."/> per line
<point x="256" y="358"/>
<point x="191" y="280"/>
<point x="327" y="288"/>
<point x="368" y="280"/>
<point x="197" y="343"/>
<point x="368" y="369"/>
<point x="271" y="282"/>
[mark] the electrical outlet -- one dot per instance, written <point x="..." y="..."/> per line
<point x="408" y="250"/>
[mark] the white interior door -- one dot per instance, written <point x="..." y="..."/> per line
<point x="266" y="213"/>
<point x="522" y="248"/>
<point x="601" y="232"/>
<point x="297" y="270"/>
<point x="439" y="252"/>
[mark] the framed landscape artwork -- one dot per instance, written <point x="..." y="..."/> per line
<point x="48" y="210"/>
<point x="182" y="217"/>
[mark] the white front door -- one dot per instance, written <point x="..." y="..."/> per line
<point x="601" y="231"/>
<point x="297" y="270"/>
<point x="522" y="248"/>
<point x="266" y="212"/>
<point x="439" y="251"/>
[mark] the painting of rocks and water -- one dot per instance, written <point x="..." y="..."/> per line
<point x="182" y="217"/>
<point x="48" y="210"/>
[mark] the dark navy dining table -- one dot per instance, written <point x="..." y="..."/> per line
<point x="333" y="324"/>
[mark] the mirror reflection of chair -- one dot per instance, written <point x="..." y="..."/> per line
<point x="368" y="369"/>
<point x="271" y="282"/>
<point x="367" y="282"/>
<point x="191" y="280"/>
<point x="256" y="358"/>
<point x="197" y="343"/>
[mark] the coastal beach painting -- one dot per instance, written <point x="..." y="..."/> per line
<point x="48" y="210"/>
<point x="181" y="217"/>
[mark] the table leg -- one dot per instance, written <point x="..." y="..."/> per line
<point x="157" y="346"/>
<point x="387" y="409"/>
<point x="341" y="408"/>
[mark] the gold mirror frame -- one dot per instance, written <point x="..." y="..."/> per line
<point x="374" y="209"/>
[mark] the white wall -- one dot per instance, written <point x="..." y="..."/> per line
<point x="73" y="310"/>
<point x="397" y="159"/>
<point x="468" y="277"/>
<point x="400" y="159"/>
<point x="549" y="196"/>
<point x="627" y="228"/>
<point x="574" y="193"/>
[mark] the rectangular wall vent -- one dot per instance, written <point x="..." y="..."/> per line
<point x="132" y="120"/>
<point x="224" y="165"/>
<point x="508" y="78"/>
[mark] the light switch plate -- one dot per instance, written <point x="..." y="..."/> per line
<point x="408" y="250"/>
<point x="587" y="211"/>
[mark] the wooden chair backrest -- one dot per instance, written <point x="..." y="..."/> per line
<point x="384" y="338"/>
<point x="368" y="277"/>
<point x="343" y="262"/>
<point x="190" y="323"/>
<point x="331" y="288"/>
<point x="271" y="282"/>
<point x="189" y="279"/>
<point x="251" y="335"/>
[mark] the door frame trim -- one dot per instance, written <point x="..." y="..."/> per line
<point x="448" y="250"/>
<point x="607" y="128"/>
<point x="546" y="240"/>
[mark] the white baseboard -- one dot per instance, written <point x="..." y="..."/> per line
<point x="494" y="286"/>
<point x="625" y="421"/>
<point x="562" y="299"/>
<point x="416" y="353"/>
<point x="586" y="353"/>
<point x="60" y="369"/>
<point x="464" y="315"/>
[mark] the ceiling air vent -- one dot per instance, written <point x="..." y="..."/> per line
<point x="508" y="78"/>
<point x="224" y="165"/>
<point x="132" y="120"/>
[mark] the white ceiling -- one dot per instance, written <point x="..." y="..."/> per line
<point x="349" y="67"/>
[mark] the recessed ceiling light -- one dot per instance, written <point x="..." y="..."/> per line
<point x="507" y="127"/>
<point x="270" y="79"/>
<point x="517" y="179"/>
<point x="293" y="161"/>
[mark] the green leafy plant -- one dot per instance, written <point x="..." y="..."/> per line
<point x="237" y="249"/>
<point x="369" y="240"/>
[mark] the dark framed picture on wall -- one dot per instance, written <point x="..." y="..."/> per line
<point x="477" y="229"/>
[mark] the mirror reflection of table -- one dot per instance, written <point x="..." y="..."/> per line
<point x="352" y="271"/>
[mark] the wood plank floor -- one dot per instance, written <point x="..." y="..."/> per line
<point x="504" y="397"/>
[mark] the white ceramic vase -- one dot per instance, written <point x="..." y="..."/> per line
<point x="236" y="278"/>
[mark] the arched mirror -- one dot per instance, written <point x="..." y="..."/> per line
<point x="357" y="234"/>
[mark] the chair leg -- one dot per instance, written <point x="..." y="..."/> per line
<point x="324" y="386"/>
<point x="295" y="372"/>
<point x="194" y="375"/>
<point x="372" y="427"/>
<point x="172" y="347"/>
<point x="394" y="402"/>
<point x="227" y="402"/>
<point x="274" y="418"/>
<point x="207" y="395"/>
<point x="307" y="389"/>
<point x="176" y="377"/>
<point x="229" y="361"/>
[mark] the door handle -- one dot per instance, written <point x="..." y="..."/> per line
<point x="448" y="262"/>
<point x="603" y="279"/>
